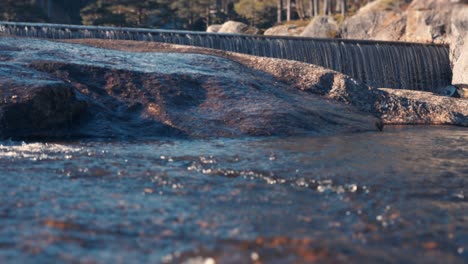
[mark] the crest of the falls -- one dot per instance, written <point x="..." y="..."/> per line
<point x="381" y="64"/>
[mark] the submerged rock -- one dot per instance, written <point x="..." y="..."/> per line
<point x="73" y="90"/>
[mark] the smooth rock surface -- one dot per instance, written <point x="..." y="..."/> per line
<point x="131" y="94"/>
<point x="413" y="107"/>
<point x="284" y="30"/>
<point x="321" y="27"/>
<point x="377" y="20"/>
<point x="428" y="21"/>
<point x="459" y="44"/>
<point x="214" y="28"/>
<point x="237" y="28"/>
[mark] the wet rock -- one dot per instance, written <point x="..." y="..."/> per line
<point x="39" y="110"/>
<point x="321" y="27"/>
<point x="450" y="91"/>
<point x="389" y="105"/>
<point x="237" y="28"/>
<point x="130" y="94"/>
<point x="284" y="30"/>
<point x="413" y="107"/>
<point x="378" y="20"/>
<point x="214" y="28"/>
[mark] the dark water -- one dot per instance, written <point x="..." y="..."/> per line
<point x="396" y="196"/>
<point x="380" y="64"/>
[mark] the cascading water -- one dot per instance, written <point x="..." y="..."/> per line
<point x="381" y="64"/>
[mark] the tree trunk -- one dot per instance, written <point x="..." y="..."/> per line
<point x="343" y="7"/>
<point x="300" y="9"/>
<point x="288" y="10"/>
<point x="326" y="7"/>
<point x="316" y="7"/>
<point x="279" y="11"/>
<point x="311" y="8"/>
<point x="208" y="21"/>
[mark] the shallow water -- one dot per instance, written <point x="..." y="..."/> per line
<point x="397" y="196"/>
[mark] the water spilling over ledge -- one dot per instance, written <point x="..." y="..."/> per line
<point x="381" y="64"/>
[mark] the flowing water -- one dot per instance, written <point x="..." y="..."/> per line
<point x="381" y="64"/>
<point x="396" y="196"/>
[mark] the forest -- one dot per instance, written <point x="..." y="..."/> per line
<point x="175" y="14"/>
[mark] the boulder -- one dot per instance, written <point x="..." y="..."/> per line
<point x="44" y="109"/>
<point x="284" y="30"/>
<point x="462" y="90"/>
<point x="378" y="20"/>
<point x="414" y="107"/>
<point x="321" y="27"/>
<point x="459" y="44"/>
<point x="237" y="28"/>
<point x="52" y="89"/>
<point x="428" y="21"/>
<point x="460" y="63"/>
<point x="389" y="105"/>
<point x="214" y="28"/>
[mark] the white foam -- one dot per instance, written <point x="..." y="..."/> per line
<point x="36" y="151"/>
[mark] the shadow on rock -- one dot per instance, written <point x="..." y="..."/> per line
<point x="91" y="92"/>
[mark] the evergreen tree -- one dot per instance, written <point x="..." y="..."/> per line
<point x="120" y="13"/>
<point x="259" y="13"/>
<point x="21" y="10"/>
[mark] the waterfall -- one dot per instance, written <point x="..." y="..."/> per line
<point x="380" y="64"/>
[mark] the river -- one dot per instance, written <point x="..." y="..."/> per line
<point x="394" y="196"/>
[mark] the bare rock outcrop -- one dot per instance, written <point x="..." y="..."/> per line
<point x="53" y="89"/>
<point x="378" y="20"/>
<point x="428" y="21"/>
<point x="321" y="27"/>
<point x="390" y="105"/>
<point x="459" y="45"/>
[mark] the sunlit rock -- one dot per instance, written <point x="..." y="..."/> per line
<point x="214" y="28"/>
<point x="86" y="91"/>
<point x="378" y="20"/>
<point x="392" y="106"/>
<point x="237" y="28"/>
<point x="284" y="30"/>
<point x="321" y="27"/>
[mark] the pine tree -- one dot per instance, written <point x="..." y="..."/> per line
<point x="21" y="10"/>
